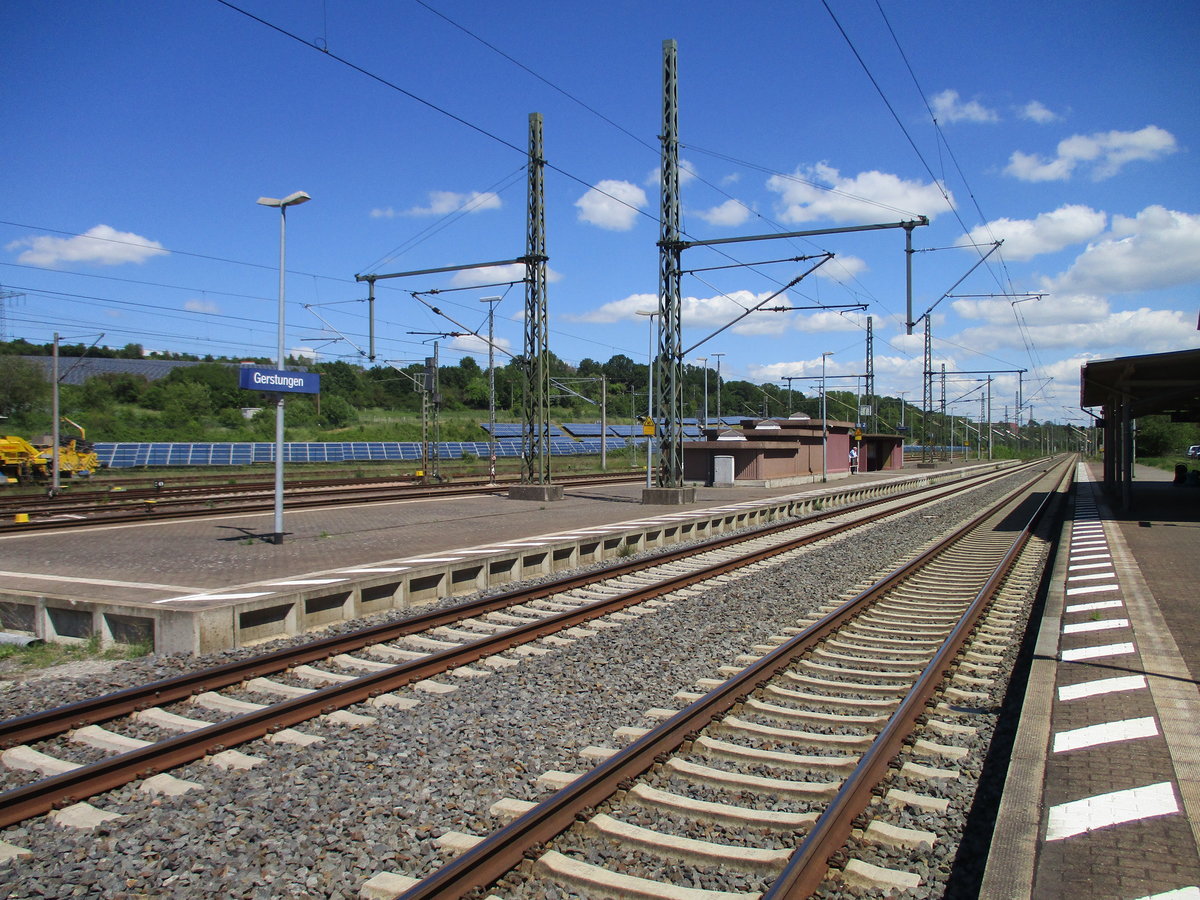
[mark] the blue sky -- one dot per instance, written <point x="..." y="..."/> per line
<point x="139" y="136"/>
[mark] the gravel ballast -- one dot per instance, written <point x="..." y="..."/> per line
<point x="319" y="821"/>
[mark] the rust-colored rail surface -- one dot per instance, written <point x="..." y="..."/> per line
<point x="64" y="511"/>
<point x="505" y="849"/>
<point x="43" y="795"/>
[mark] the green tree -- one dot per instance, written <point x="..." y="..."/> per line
<point x="23" y="388"/>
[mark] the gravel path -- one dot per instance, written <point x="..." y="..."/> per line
<point x="319" y="821"/>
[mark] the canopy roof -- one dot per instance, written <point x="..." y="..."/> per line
<point x="1157" y="384"/>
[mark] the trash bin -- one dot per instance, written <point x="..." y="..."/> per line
<point x="722" y="471"/>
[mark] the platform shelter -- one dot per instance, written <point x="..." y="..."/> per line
<point x="776" y="452"/>
<point x="1130" y="387"/>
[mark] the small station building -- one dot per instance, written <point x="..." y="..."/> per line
<point x="778" y="452"/>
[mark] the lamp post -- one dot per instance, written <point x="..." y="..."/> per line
<point x="290" y="200"/>
<point x="491" y="302"/>
<point x="650" y="397"/>
<point x="703" y="360"/>
<point x="720" y="421"/>
<point x="824" y="422"/>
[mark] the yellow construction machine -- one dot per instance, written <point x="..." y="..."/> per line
<point x="21" y="461"/>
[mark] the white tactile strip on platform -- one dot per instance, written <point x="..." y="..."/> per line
<point x="303" y="582"/>
<point x="1090" y="561"/>
<point x="247" y="595"/>
<point x="1104" y="810"/>
<point x="1096" y="652"/>
<point x="1105" y="733"/>
<point x="1184" y="893"/>
<point x="1094" y="607"/>
<point x="1093" y="589"/>
<point x="1102" y="625"/>
<point x="1102" y="686"/>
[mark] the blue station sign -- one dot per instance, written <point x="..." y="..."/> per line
<point x="253" y="378"/>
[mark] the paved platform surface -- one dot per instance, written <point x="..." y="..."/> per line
<point x="153" y="562"/>
<point x="1103" y="796"/>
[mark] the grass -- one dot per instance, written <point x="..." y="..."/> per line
<point x="15" y="659"/>
<point x="1169" y="462"/>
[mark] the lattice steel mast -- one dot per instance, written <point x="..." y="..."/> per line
<point x="536" y="436"/>
<point x="872" y="423"/>
<point x="670" y="338"/>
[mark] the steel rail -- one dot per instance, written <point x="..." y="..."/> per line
<point x="504" y="849"/>
<point x="156" y="510"/>
<point x="45" y="724"/>
<point x="69" y="787"/>
<point x="808" y="866"/>
<point x="91" y="500"/>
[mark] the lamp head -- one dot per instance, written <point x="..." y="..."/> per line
<point x="290" y="200"/>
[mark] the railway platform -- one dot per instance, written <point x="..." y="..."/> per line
<point x="214" y="583"/>
<point x="1102" y="798"/>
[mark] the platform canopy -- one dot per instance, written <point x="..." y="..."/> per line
<point x="1157" y="384"/>
<point x="1130" y="387"/>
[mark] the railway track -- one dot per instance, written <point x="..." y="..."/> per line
<point x="894" y="668"/>
<point x="192" y="501"/>
<point x="213" y="711"/>
<point x="488" y="626"/>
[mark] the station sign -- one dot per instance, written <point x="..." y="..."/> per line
<point x="278" y="381"/>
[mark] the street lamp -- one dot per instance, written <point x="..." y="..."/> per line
<point x="290" y="200"/>
<point x="703" y="360"/>
<point x="824" y="423"/>
<point x="650" y="396"/>
<point x="491" y="301"/>
<point x="720" y="421"/>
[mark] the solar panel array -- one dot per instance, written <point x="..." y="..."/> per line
<point x="515" y="430"/>
<point x="130" y="455"/>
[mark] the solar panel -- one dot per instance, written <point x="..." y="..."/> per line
<point x="131" y="454"/>
<point x="583" y="429"/>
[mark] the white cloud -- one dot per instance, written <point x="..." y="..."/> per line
<point x="1036" y="111"/>
<point x="617" y="310"/>
<point x="201" y="306"/>
<point x="1157" y="248"/>
<point x="828" y="320"/>
<point x="513" y="272"/>
<point x="1105" y="151"/>
<point x="687" y="173"/>
<point x="1124" y="332"/>
<point x="947" y="107"/>
<point x="102" y="245"/>
<point x="478" y="346"/>
<point x="443" y="203"/>
<point x="805" y="197"/>
<point x="1054" y="309"/>
<point x="696" y="312"/>
<point x="731" y="212"/>
<point x="612" y="205"/>
<point x="841" y="268"/>
<point x="1047" y="233"/>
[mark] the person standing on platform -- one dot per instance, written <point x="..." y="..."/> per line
<point x="853" y="460"/>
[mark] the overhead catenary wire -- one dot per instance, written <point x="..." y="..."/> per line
<point x="474" y="127"/>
